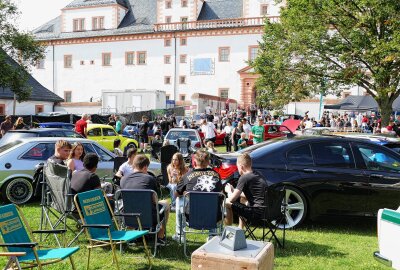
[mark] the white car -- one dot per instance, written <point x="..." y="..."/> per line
<point x="184" y="133"/>
<point x="19" y="158"/>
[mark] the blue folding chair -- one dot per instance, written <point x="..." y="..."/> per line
<point x="100" y="224"/>
<point x="18" y="238"/>
<point x="141" y="201"/>
<point x="206" y="214"/>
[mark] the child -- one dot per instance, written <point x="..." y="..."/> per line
<point x="242" y="142"/>
<point x="210" y="147"/>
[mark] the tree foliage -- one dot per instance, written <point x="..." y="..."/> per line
<point x="325" y="46"/>
<point x="20" y="47"/>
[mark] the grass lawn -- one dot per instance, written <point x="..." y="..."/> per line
<point x="334" y="243"/>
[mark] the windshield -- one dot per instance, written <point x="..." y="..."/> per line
<point x="174" y="135"/>
<point x="7" y="146"/>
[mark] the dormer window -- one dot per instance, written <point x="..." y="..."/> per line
<point x="97" y="23"/>
<point x="79" y="25"/>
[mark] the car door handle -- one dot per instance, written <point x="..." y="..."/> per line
<point x="309" y="170"/>
<point x="374" y="175"/>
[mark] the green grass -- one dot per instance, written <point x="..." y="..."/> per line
<point x="334" y="243"/>
<point x="324" y="244"/>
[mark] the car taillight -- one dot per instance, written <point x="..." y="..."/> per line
<point x="226" y="170"/>
<point x="197" y="145"/>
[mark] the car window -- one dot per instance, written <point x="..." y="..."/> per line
<point x="109" y="132"/>
<point x="12" y="136"/>
<point x="9" y="145"/>
<point x="273" y="129"/>
<point x="72" y="134"/>
<point x="41" y="151"/>
<point x="56" y="133"/>
<point x="94" y="132"/>
<point x="378" y="160"/>
<point x="104" y="156"/>
<point x="300" y="156"/>
<point x="89" y="148"/>
<point x="332" y="155"/>
<point x="187" y="134"/>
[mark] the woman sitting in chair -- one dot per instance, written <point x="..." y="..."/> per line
<point x="75" y="159"/>
<point x="175" y="171"/>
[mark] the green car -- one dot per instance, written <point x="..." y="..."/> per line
<point x="106" y="135"/>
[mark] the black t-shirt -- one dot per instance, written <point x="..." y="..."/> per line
<point x="56" y="160"/>
<point x="138" y="180"/>
<point x="164" y="126"/>
<point x="144" y="128"/>
<point x="203" y="180"/>
<point x="253" y="185"/>
<point x="84" y="180"/>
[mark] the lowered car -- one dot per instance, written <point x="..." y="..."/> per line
<point x="106" y="135"/>
<point x="184" y="133"/>
<point x="13" y="135"/>
<point x="323" y="175"/>
<point x="57" y="125"/>
<point x="19" y="158"/>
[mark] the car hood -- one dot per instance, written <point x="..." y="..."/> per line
<point x="291" y="124"/>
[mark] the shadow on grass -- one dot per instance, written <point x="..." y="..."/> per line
<point x="293" y="248"/>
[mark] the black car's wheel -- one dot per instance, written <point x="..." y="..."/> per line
<point x="296" y="208"/>
<point x="17" y="190"/>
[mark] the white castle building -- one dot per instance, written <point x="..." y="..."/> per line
<point x="182" y="47"/>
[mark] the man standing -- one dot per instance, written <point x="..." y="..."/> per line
<point x="86" y="179"/>
<point x="140" y="179"/>
<point x="164" y="126"/>
<point x="201" y="179"/>
<point x="251" y="188"/>
<point x="258" y="131"/>
<point x="6" y="125"/>
<point x="209" y="131"/>
<point x="61" y="152"/>
<point x="118" y="125"/>
<point x="143" y="133"/>
<point x="81" y="125"/>
<point x="246" y="127"/>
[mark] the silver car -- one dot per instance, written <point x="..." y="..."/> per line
<point x="19" y="158"/>
<point x="184" y="133"/>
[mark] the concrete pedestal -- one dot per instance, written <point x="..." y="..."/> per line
<point x="257" y="256"/>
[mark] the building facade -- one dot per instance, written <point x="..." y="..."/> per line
<point x="182" y="47"/>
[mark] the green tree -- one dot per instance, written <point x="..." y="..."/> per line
<point x="16" y="47"/>
<point x="328" y="45"/>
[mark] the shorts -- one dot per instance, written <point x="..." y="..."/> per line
<point x="144" y="139"/>
<point x="247" y="212"/>
<point x="211" y="139"/>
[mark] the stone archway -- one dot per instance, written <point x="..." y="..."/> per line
<point x="248" y="80"/>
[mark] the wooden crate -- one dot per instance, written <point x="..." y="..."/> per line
<point x="230" y="260"/>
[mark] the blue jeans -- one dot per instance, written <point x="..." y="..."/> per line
<point x="172" y="188"/>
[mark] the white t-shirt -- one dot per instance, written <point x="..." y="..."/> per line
<point x="208" y="130"/>
<point x="126" y="169"/>
<point x="228" y="129"/>
<point x="247" y="129"/>
<point x="309" y="124"/>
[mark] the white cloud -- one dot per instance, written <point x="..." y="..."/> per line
<point x="34" y="13"/>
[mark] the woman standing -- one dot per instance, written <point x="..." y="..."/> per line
<point x="19" y="124"/>
<point x="228" y="129"/>
<point x="175" y="172"/>
<point x="236" y="134"/>
<point x="75" y="159"/>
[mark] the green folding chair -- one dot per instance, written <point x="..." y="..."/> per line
<point x="101" y="226"/>
<point x="18" y="238"/>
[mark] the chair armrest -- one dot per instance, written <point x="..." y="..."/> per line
<point x="70" y="195"/>
<point x="50" y="231"/>
<point x="127" y="215"/>
<point x="12" y="254"/>
<point x="162" y="210"/>
<point x="97" y="226"/>
<point x="21" y="245"/>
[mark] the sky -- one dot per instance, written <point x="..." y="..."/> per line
<point x="34" y="13"/>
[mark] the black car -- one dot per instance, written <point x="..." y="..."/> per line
<point x="12" y="135"/>
<point x="324" y="175"/>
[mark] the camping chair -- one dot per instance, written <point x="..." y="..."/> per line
<point x="273" y="216"/>
<point x="141" y="201"/>
<point x="14" y="230"/>
<point x="166" y="153"/>
<point x="100" y="225"/>
<point x="57" y="199"/>
<point x="206" y="214"/>
<point x="13" y="262"/>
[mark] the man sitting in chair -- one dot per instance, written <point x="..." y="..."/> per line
<point x="127" y="167"/>
<point x="86" y="179"/>
<point x="201" y="179"/>
<point x="140" y="179"/>
<point x="61" y="153"/>
<point x="250" y="189"/>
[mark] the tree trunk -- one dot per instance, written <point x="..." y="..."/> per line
<point x="386" y="111"/>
